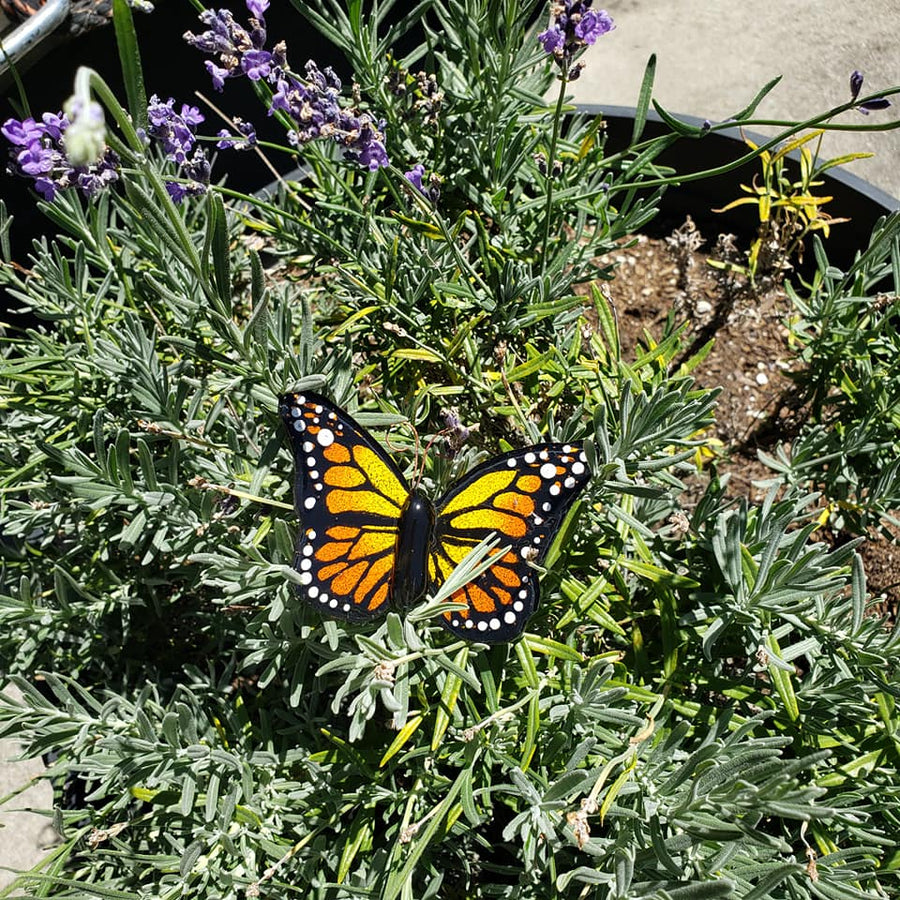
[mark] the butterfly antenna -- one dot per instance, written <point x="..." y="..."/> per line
<point x="420" y="469"/>
<point x="420" y="457"/>
<point x="434" y="439"/>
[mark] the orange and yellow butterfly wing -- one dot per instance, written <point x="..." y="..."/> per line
<point x="349" y="496"/>
<point x="522" y="497"/>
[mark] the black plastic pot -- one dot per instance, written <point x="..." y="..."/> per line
<point x="171" y="69"/>
<point x="853" y="198"/>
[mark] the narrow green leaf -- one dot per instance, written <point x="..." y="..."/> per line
<point x="858" y="593"/>
<point x="549" y="647"/>
<point x="644" y="97"/>
<point x="218" y="248"/>
<point x="130" y="57"/>
<point x="782" y="681"/>
<point x="748" y="110"/>
<point x="400" y="876"/>
<point x="359" y="834"/>
<point x="526" y="660"/>
<point x="405" y="733"/>
<point x="449" y="696"/>
<point x="683" y="128"/>
<point x="532" y="727"/>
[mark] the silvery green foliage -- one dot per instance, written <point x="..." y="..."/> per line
<point x="703" y="705"/>
<point x="846" y="326"/>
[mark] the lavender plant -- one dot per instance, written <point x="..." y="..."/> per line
<point x="701" y="705"/>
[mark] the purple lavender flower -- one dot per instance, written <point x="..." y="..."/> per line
<point x="22" y="134"/>
<point x="47" y="188"/>
<point x="573" y="26"/>
<point x="94" y="179"/>
<point x="38" y="159"/>
<point x="257" y="64"/>
<point x="594" y="24"/>
<point x="175" y="133"/>
<point x="54" y="125"/>
<point x="173" y="130"/>
<point x="363" y="142"/>
<point x="457" y="433"/>
<point x="552" y="39"/>
<point x="196" y="172"/>
<point x="856" y="83"/>
<point x="38" y="152"/>
<point x="246" y="139"/>
<point x="415" y="175"/>
<point x="218" y="75"/>
<point x="223" y="38"/>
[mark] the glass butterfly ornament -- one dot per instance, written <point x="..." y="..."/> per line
<point x="367" y="540"/>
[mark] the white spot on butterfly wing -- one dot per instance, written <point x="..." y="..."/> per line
<point x="325" y="437"/>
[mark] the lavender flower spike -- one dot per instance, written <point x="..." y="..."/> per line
<point x="312" y="103"/>
<point x="39" y="152"/>
<point x="573" y="26"/>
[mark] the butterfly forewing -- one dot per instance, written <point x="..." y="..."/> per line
<point x="522" y="497"/>
<point x="349" y="496"/>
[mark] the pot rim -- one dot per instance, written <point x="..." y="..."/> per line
<point x="852" y="182"/>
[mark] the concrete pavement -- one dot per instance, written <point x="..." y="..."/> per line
<point x="713" y="56"/>
<point x="24" y="835"/>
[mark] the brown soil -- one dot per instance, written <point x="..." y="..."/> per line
<point x="750" y="362"/>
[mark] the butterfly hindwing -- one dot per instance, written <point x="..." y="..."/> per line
<point x="349" y="496"/>
<point x="523" y="497"/>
